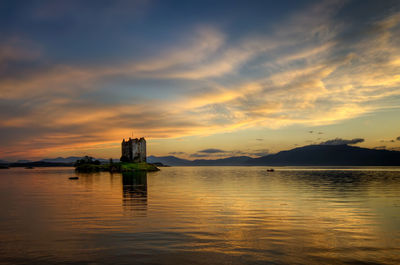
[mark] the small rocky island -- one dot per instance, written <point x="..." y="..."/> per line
<point x="133" y="158"/>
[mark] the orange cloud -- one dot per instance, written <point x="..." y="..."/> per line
<point x="301" y="74"/>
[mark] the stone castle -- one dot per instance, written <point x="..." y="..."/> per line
<point x="133" y="150"/>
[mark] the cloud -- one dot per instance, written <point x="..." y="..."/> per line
<point x="15" y="49"/>
<point x="69" y="80"/>
<point x="382" y="147"/>
<point x="320" y="82"/>
<point x="304" y="70"/>
<point x="211" y="151"/>
<point x="218" y="154"/>
<point x="199" y="155"/>
<point x="398" y="138"/>
<point x="177" y="153"/>
<point x="388" y="141"/>
<point x="259" y="139"/>
<point x="339" y="141"/>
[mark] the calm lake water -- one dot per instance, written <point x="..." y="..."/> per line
<point x="201" y="215"/>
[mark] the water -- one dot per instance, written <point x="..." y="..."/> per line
<point x="201" y="215"/>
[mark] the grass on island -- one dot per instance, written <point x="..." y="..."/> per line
<point x="89" y="165"/>
<point x="125" y="166"/>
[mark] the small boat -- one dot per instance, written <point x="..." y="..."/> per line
<point x="29" y="167"/>
<point x="73" y="177"/>
<point x="270" y="170"/>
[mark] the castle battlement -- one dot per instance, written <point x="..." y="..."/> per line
<point x="133" y="150"/>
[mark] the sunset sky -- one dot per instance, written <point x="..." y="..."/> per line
<point x="198" y="79"/>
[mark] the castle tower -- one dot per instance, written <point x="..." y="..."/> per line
<point x="133" y="150"/>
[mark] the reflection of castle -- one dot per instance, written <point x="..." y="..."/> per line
<point x="134" y="191"/>
<point x="133" y="150"/>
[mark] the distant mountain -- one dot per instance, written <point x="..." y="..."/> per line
<point x="41" y="164"/>
<point x="310" y="155"/>
<point x="71" y="159"/>
<point x="175" y="161"/>
<point x="169" y="160"/>
<point x="51" y="162"/>
<point x="230" y="161"/>
<point x="331" y="155"/>
<point x="23" y="161"/>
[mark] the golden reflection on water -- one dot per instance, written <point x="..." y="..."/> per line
<point x="134" y="190"/>
<point x="200" y="215"/>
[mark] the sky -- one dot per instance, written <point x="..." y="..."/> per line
<point x="197" y="79"/>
